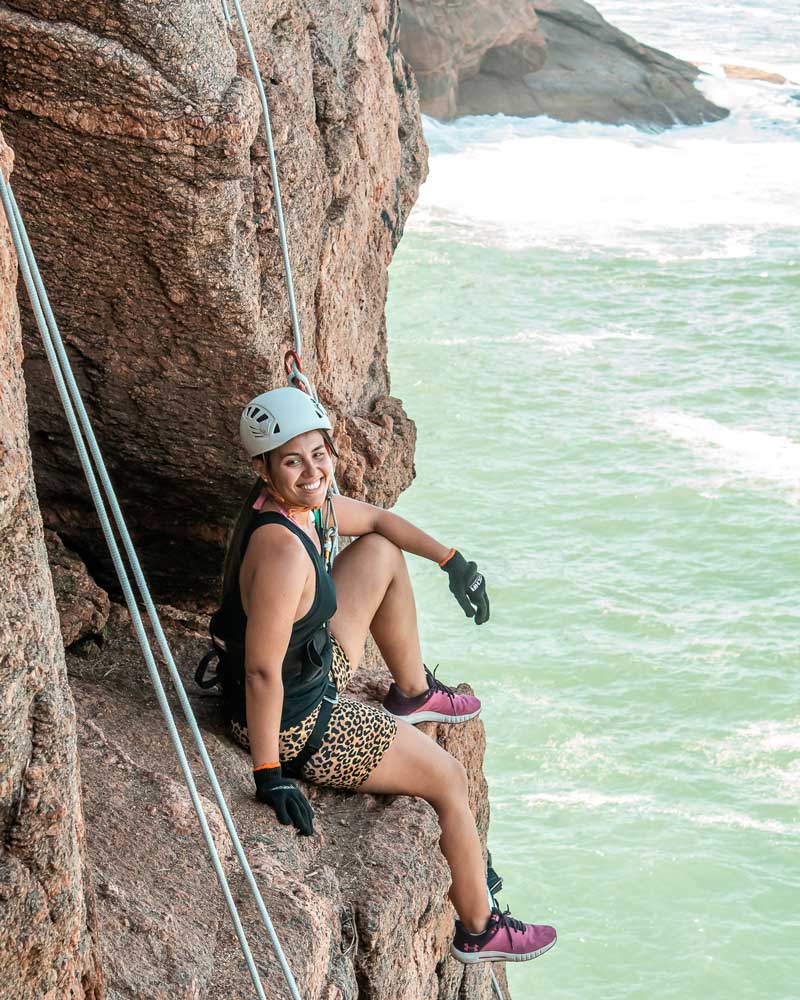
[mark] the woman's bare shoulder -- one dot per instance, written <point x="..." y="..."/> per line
<point x="275" y="541"/>
<point x="271" y="546"/>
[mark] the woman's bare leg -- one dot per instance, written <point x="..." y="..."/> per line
<point x="415" y="765"/>
<point x="373" y="593"/>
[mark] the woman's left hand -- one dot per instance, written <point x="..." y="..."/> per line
<point x="468" y="587"/>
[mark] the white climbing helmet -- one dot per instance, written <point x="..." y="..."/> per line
<point x="275" y="417"/>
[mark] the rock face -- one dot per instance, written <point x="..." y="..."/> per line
<point x="82" y="606"/>
<point x="549" y="57"/>
<point x="143" y="176"/>
<point x="48" y="946"/>
<point x="360" y="907"/>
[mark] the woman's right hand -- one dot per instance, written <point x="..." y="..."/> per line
<point x="290" y="805"/>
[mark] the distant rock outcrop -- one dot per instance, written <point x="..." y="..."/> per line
<point x="456" y="44"/>
<point x="547" y="57"/>
<point x="142" y="172"/>
<point x="48" y="930"/>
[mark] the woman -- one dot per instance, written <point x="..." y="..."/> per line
<point x="302" y="626"/>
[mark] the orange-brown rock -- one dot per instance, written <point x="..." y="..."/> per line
<point x="82" y="606"/>
<point x="143" y="176"/>
<point x="48" y="934"/>
<point x="360" y="907"/>
<point x="546" y="57"/>
<point x="749" y="73"/>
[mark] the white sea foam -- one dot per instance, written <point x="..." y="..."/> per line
<point x="644" y="806"/>
<point x="538" y="190"/>
<point x="556" y="343"/>
<point x="737" y="452"/>
<point x="757" y="33"/>
<point x="577" y="188"/>
<point x="758" y="754"/>
<point x="769" y="736"/>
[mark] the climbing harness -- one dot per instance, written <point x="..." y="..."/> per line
<point x="79" y="423"/>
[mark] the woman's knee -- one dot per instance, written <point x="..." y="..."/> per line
<point x="453" y="787"/>
<point x="380" y="549"/>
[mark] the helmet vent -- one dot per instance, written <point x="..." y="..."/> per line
<point x="276" y="429"/>
<point x="262" y="418"/>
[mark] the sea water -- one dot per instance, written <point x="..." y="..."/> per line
<point x="597" y="331"/>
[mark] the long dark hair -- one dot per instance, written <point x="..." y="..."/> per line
<point x="233" y="554"/>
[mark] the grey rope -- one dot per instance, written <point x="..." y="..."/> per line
<point x="226" y="12"/>
<point x="67" y="387"/>
<point x="495" y="985"/>
<point x="273" y="166"/>
<point x="296" y="375"/>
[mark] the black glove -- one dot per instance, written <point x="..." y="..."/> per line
<point x="469" y="587"/>
<point x="289" y="803"/>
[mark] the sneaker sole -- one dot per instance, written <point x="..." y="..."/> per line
<point x="473" y="958"/>
<point x="416" y="717"/>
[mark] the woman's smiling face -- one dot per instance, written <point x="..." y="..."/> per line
<point x="301" y="470"/>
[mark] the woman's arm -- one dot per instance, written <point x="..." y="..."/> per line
<point x="358" y="518"/>
<point x="466" y="583"/>
<point x="273" y="598"/>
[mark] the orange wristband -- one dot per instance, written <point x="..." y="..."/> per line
<point x="263" y="767"/>
<point x="447" y="558"/>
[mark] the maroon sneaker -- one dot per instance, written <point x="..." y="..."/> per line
<point x="505" y="939"/>
<point x="439" y="703"/>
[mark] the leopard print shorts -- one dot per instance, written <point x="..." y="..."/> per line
<point x="357" y="737"/>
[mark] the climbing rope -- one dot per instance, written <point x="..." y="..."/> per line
<point x="294" y="367"/>
<point x="71" y="401"/>
<point x="495" y="985"/>
<point x="273" y="167"/>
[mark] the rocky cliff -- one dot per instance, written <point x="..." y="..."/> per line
<point x="360" y="907"/>
<point x="143" y="174"/>
<point x="544" y="57"/>
<point x="48" y="933"/>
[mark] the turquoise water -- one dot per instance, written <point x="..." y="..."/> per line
<point x="596" y="331"/>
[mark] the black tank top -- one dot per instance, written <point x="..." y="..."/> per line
<point x="307" y="662"/>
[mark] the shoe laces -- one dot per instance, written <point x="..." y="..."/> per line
<point x="510" y="923"/>
<point x="434" y="684"/>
